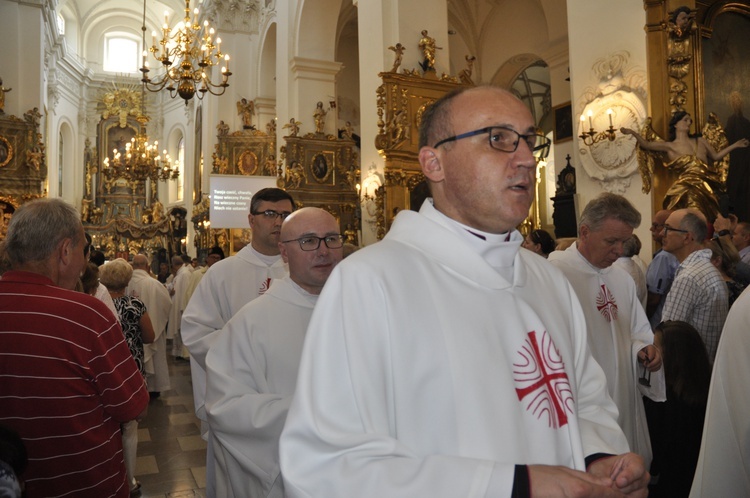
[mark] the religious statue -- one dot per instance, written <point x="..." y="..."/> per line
<point x="398" y="49"/>
<point x="86" y="210"/>
<point x="269" y="169"/>
<point x="347" y="132"/>
<point x="3" y="91"/>
<point x="34" y="158"/>
<point x="319" y="116"/>
<point x="293" y="127"/>
<point x="350" y="235"/>
<point x="294" y="174"/>
<point x="427" y="44"/>
<point x="157" y="211"/>
<point x="33" y="117"/>
<point x="465" y="75"/>
<point x="246" y="109"/>
<point x="271" y="128"/>
<point x="222" y="128"/>
<point x="694" y="158"/>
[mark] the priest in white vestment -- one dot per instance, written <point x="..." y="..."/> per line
<point x="724" y="462"/>
<point x="182" y="274"/>
<point x="228" y="286"/>
<point x="619" y="333"/>
<point x="445" y="362"/>
<point x="252" y="364"/>
<point x="158" y="303"/>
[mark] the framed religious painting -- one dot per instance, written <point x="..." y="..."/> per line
<point x="6" y="151"/>
<point x="563" y="125"/>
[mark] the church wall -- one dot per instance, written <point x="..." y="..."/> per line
<point x="592" y="39"/>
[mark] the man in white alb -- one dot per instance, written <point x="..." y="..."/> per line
<point x="181" y="272"/>
<point x="158" y="303"/>
<point x="229" y="285"/>
<point x="724" y="462"/>
<point x="252" y="364"/>
<point x="445" y="361"/>
<point x="619" y="334"/>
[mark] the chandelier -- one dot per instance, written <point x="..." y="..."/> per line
<point x="187" y="54"/>
<point x="140" y="160"/>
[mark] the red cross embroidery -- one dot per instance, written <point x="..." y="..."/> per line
<point x="605" y="303"/>
<point x="540" y="372"/>
<point x="264" y="286"/>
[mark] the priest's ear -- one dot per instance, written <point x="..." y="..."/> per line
<point x="429" y="159"/>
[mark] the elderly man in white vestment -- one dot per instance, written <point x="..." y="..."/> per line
<point x="229" y="285"/>
<point x="158" y="303"/>
<point x="252" y="364"/>
<point x="724" y="462"/>
<point x="619" y="333"/>
<point x="443" y="360"/>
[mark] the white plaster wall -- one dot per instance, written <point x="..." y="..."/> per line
<point x="596" y="30"/>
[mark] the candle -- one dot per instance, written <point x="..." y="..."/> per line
<point x="609" y="113"/>
<point x="591" y="124"/>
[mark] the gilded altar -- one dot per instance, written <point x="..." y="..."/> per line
<point x="23" y="165"/>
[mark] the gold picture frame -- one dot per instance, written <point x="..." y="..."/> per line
<point x="6" y="151"/>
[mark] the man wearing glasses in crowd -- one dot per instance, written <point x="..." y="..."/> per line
<point x="228" y="286"/>
<point x="444" y="361"/>
<point x="251" y="366"/>
<point x="698" y="294"/>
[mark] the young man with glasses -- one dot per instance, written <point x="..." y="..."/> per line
<point x="230" y="284"/>
<point x="698" y="295"/>
<point x="252" y="363"/>
<point x="445" y="361"/>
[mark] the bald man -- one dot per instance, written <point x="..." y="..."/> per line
<point x="156" y="298"/>
<point x="252" y="364"/>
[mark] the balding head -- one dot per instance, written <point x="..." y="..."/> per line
<point x="140" y="262"/>
<point x="309" y="267"/>
<point x="657" y="224"/>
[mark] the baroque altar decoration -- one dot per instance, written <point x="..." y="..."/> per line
<point x="323" y="171"/>
<point x="23" y="165"/>
<point x="402" y="99"/>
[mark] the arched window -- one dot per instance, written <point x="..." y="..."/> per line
<point x="60" y="156"/>
<point x="121" y="53"/>
<point x="60" y="24"/>
<point x="181" y="165"/>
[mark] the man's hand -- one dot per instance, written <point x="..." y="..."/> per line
<point x="650" y="357"/>
<point x="627" y="473"/>
<point x="550" y="481"/>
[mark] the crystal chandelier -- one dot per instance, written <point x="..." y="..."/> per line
<point x="187" y="54"/>
<point x="140" y="160"/>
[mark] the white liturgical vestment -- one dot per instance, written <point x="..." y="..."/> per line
<point x="251" y="373"/>
<point x="427" y="373"/>
<point x="617" y="330"/>
<point x="181" y="279"/>
<point x="724" y="462"/>
<point x="158" y="303"/>
<point x="225" y="288"/>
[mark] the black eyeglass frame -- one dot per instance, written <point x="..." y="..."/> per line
<point x="271" y="214"/>
<point x="668" y="229"/>
<point x="540" y="151"/>
<point x="325" y="240"/>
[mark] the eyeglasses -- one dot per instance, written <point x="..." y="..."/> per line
<point x="507" y="140"/>
<point x="312" y="243"/>
<point x="668" y="229"/>
<point x="270" y="214"/>
<point x="657" y="226"/>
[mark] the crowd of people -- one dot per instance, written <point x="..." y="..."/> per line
<point x="456" y="357"/>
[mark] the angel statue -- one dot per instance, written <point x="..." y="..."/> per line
<point x="700" y="184"/>
<point x="293" y="127"/>
<point x="246" y="110"/>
